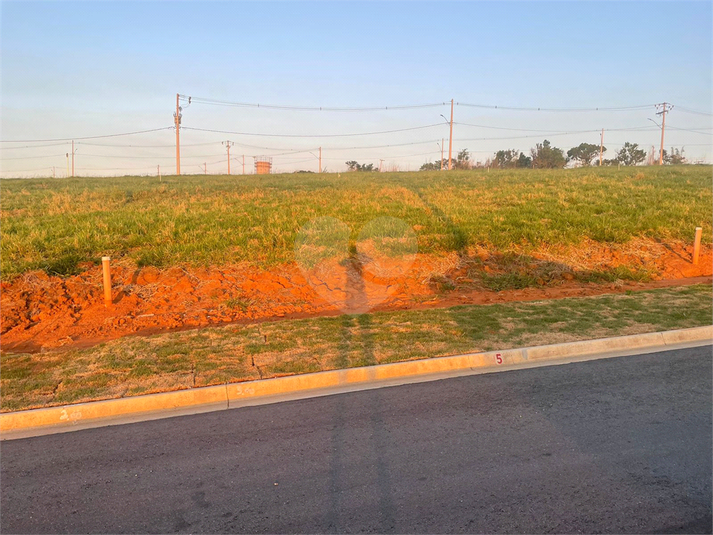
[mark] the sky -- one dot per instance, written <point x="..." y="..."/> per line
<point x="75" y="70"/>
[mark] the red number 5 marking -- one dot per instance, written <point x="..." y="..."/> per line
<point x="498" y="358"/>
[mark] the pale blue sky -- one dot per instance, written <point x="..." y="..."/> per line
<point x="73" y="69"/>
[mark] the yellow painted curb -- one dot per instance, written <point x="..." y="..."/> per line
<point x="72" y="414"/>
<point x="220" y="397"/>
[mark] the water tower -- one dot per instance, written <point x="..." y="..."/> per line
<point x="263" y="165"/>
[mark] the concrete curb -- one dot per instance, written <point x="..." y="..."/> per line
<point x="230" y="395"/>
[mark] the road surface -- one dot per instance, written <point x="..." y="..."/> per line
<point x="614" y="445"/>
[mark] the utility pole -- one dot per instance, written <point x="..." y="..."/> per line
<point x="664" y="108"/>
<point x="320" y="159"/>
<point x="67" y="155"/>
<point x="177" y="121"/>
<point x="53" y="173"/>
<point x="228" y="144"/>
<point x="601" y="148"/>
<point x="380" y="162"/>
<point x="158" y="171"/>
<point x="450" y="140"/>
<point x="205" y="168"/>
<point x="243" y="164"/>
<point x="442" y="141"/>
<point x="72" y="157"/>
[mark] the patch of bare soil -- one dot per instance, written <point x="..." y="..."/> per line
<point x="41" y="312"/>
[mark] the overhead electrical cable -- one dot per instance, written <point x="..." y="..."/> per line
<point x="86" y="137"/>
<point x="516" y="108"/>
<point x="214" y="102"/>
<point x="312" y="135"/>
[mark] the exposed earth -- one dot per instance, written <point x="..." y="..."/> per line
<point x="40" y="312"/>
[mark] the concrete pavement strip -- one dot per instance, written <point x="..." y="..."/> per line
<point x="36" y="422"/>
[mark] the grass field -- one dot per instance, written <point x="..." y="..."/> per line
<point x="212" y="220"/>
<point x="217" y="355"/>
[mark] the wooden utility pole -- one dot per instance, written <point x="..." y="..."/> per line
<point x="601" y="148"/>
<point x="158" y="170"/>
<point x="72" y="157"/>
<point x="664" y="108"/>
<point x="53" y="173"/>
<point x="205" y="168"/>
<point x="450" y="140"/>
<point x="177" y="121"/>
<point x="320" y="159"/>
<point x="228" y="144"/>
<point x="442" y="142"/>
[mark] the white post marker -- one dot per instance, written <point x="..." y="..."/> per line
<point x="697" y="245"/>
<point x="107" y="281"/>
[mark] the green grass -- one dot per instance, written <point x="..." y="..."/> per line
<point x="133" y="365"/>
<point x="211" y="220"/>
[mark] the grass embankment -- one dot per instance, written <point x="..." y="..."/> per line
<point x="172" y="361"/>
<point x="212" y="220"/>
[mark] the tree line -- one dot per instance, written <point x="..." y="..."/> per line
<point x="546" y="156"/>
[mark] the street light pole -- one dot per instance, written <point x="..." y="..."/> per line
<point x="450" y="139"/>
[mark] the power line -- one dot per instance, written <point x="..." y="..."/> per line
<point x="149" y="146"/>
<point x="694" y="131"/>
<point x="549" y="131"/>
<point x="32" y="157"/>
<point x="312" y="135"/>
<point x="86" y="137"/>
<point x="36" y="146"/>
<point x="697" y="112"/>
<point x="515" y="108"/>
<point x="144" y="157"/>
<point x="214" y="102"/>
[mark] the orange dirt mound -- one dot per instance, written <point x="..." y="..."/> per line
<point x="41" y="312"/>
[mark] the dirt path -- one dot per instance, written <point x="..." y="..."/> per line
<point x="40" y="312"/>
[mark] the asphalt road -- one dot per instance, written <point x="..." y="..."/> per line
<point x="618" y="445"/>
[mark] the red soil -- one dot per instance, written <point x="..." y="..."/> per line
<point x="40" y="312"/>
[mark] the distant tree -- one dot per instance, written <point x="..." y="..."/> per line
<point x="524" y="161"/>
<point x="676" y="157"/>
<point x="433" y="166"/>
<point x="462" y="161"/>
<point x="355" y="166"/>
<point x="505" y="159"/>
<point x="630" y="154"/>
<point x="510" y="158"/>
<point x="584" y="153"/>
<point x="546" y="156"/>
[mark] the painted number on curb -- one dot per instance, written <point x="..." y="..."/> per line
<point x="72" y="416"/>
<point x="240" y="391"/>
<point x="498" y="358"/>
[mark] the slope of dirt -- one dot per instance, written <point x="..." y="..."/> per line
<point x="41" y="312"/>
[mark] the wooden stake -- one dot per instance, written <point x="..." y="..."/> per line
<point x="697" y="245"/>
<point x="107" y="281"/>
